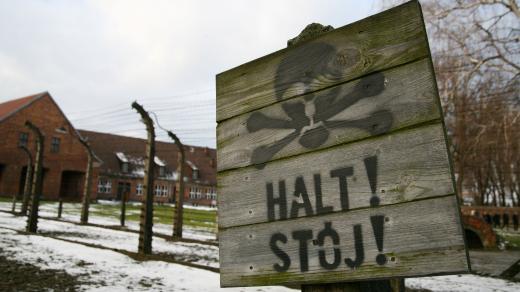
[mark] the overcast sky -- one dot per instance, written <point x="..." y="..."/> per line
<point x="96" y="57"/>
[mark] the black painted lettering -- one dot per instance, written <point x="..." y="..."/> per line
<point x="342" y="174"/>
<point x="301" y="191"/>
<point x="286" y="260"/>
<point x="303" y="236"/>
<point x="328" y="231"/>
<point x="281" y="201"/>
<point x="371" y="168"/>
<point x="378" y="226"/>
<point x="358" y="245"/>
<point x="319" y="197"/>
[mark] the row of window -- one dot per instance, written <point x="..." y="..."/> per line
<point x="159" y="190"/>
<point x="209" y="196"/>
<point x="24" y="139"/>
<point x="196" y="193"/>
<point x="202" y="190"/>
<point x="105" y="187"/>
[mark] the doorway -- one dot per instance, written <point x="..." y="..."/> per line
<point x="71" y="182"/>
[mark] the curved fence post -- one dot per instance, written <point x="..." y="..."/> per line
<point x="32" y="220"/>
<point x="146" y="224"/>
<point x="179" y="202"/>
<point x="88" y="184"/>
<point x="28" y="180"/>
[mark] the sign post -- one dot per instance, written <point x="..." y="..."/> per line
<point x="333" y="162"/>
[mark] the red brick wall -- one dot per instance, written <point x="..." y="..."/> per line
<point x="71" y="156"/>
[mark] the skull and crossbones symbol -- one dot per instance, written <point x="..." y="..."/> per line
<point x="310" y="118"/>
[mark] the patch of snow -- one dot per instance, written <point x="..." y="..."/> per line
<point x="456" y="283"/>
<point x="138" y="172"/>
<point x="122" y="157"/>
<point x="108" y="202"/>
<point x="71" y="212"/>
<point x="191" y="165"/>
<point x="158" y="161"/>
<point x="104" y="270"/>
<point x="110" y="271"/>
<point x="201" y="254"/>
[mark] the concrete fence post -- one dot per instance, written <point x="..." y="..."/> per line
<point x="146" y="224"/>
<point x="28" y="180"/>
<point x="179" y="201"/>
<point x="60" y="207"/>
<point x="32" y="220"/>
<point x="88" y="183"/>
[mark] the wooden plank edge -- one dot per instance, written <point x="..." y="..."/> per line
<point x="262" y="279"/>
<point x="252" y="225"/>
<point x="450" y="159"/>
<point x="279" y="52"/>
<point x="416" y="62"/>
<point x="364" y="139"/>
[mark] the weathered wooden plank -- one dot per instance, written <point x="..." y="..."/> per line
<point x="413" y="239"/>
<point x="385" y="40"/>
<point x="408" y="165"/>
<point x="381" y="102"/>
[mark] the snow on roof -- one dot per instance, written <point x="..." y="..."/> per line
<point x="122" y="157"/>
<point x="159" y="162"/>
<point x="192" y="165"/>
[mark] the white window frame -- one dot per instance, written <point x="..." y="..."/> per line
<point x="104" y="186"/>
<point x="164" y="191"/>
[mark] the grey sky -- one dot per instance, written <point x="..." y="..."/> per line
<point x="96" y="57"/>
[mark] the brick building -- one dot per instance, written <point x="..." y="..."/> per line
<point x="119" y="160"/>
<point x="64" y="159"/>
<point x="122" y="169"/>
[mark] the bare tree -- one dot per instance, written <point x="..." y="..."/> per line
<point x="475" y="48"/>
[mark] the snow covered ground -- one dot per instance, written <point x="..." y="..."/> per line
<point x="103" y="270"/>
<point x="71" y="212"/>
<point x="460" y="283"/>
<point x="106" y="270"/>
<point x="196" y="253"/>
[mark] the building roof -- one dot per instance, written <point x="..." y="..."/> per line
<point x="13" y="106"/>
<point x="111" y="148"/>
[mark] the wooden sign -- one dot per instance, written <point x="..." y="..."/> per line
<point x="332" y="161"/>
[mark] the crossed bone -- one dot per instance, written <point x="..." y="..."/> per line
<point x="311" y="121"/>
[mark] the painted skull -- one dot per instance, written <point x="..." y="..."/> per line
<point x="306" y="68"/>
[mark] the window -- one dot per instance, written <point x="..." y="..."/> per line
<point x="157" y="190"/>
<point x="55" y="145"/>
<point x="139" y="189"/>
<point x="104" y="186"/>
<point x="161" y="171"/>
<point x="124" y="167"/>
<point x="23" y="139"/>
<point x="164" y="191"/>
<point x="195" y="174"/>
